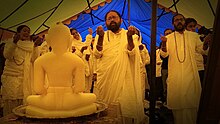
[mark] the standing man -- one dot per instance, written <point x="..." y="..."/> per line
<point x="191" y="24"/>
<point x="183" y="83"/>
<point x="118" y="68"/>
<point x="164" y="70"/>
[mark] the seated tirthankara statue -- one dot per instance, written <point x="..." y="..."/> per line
<point x="62" y="97"/>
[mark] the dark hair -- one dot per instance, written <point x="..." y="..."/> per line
<point x="167" y="30"/>
<point x="71" y="29"/>
<point x="189" y="20"/>
<point x="19" y="28"/>
<point x="112" y="11"/>
<point x="175" y="16"/>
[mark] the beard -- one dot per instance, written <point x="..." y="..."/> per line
<point x="113" y="26"/>
<point x="179" y="27"/>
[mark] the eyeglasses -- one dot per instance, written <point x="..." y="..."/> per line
<point x="112" y="17"/>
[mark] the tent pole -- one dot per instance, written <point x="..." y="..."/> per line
<point x="90" y="11"/>
<point x="209" y="110"/>
<point x="129" y="12"/>
<point x="153" y="61"/>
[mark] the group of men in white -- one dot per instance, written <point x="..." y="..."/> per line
<point x="116" y="63"/>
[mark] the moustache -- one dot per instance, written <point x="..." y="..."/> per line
<point x="113" y="23"/>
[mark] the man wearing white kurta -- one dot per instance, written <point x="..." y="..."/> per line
<point x="183" y="91"/>
<point x="118" y="68"/>
<point x="191" y="24"/>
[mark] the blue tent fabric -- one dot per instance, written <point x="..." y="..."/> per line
<point x="140" y="17"/>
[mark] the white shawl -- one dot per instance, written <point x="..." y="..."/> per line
<point x="26" y="48"/>
<point x="118" y="75"/>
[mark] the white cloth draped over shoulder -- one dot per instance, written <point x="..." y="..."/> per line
<point x="19" y="59"/>
<point x="145" y="60"/>
<point x="183" y="82"/>
<point x="78" y="44"/>
<point x="118" y="74"/>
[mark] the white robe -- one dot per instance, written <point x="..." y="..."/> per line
<point x="183" y="84"/>
<point x="88" y="69"/>
<point x="145" y="60"/>
<point x="17" y="74"/>
<point x="78" y="44"/>
<point x="118" y="75"/>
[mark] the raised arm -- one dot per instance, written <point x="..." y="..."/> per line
<point x="100" y="32"/>
<point x="130" y="33"/>
<point x="163" y="51"/>
<point x="98" y="44"/>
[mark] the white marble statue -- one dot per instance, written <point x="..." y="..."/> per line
<point x="63" y="95"/>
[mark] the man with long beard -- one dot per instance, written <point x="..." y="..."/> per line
<point x="118" y="68"/>
<point x="183" y="83"/>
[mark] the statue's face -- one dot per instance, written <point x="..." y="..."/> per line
<point x="59" y="36"/>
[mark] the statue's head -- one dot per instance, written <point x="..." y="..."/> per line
<point x="59" y="36"/>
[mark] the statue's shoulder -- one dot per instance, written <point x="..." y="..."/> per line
<point x="43" y="58"/>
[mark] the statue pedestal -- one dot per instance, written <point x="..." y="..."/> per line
<point x="112" y="115"/>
